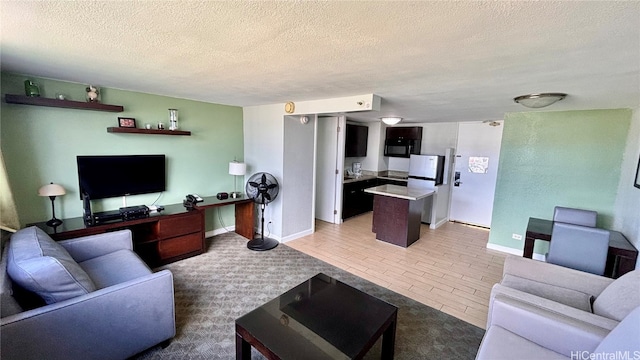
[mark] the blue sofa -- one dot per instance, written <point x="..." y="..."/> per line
<point x="101" y="301"/>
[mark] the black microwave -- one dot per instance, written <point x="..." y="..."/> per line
<point x="401" y="147"/>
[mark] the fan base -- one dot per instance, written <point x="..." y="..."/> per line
<point x="259" y="244"/>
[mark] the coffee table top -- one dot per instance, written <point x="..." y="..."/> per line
<point x="320" y="318"/>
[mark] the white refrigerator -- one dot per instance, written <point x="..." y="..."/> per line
<point x="426" y="172"/>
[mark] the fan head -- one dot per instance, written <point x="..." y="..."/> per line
<point x="262" y="188"/>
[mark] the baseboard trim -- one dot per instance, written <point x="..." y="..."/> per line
<point x="438" y="224"/>
<point x="296" y="235"/>
<point x="219" y="231"/>
<point x="513" y="251"/>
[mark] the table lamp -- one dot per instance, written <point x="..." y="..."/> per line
<point x="52" y="190"/>
<point x="236" y="169"/>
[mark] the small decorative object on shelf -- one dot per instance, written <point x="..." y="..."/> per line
<point x="173" y="119"/>
<point x="31" y="88"/>
<point x="61" y="96"/>
<point x="66" y="103"/>
<point x="126" y="122"/>
<point x="160" y="126"/>
<point x="93" y="94"/>
<point x="147" y="126"/>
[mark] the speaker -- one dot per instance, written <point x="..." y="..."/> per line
<point x="87" y="215"/>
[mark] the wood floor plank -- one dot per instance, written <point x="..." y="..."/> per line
<point x="449" y="268"/>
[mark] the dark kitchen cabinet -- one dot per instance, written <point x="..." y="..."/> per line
<point x="404" y="132"/>
<point x="356" y="141"/>
<point x="354" y="200"/>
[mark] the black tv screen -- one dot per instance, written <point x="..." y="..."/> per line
<point x="105" y="176"/>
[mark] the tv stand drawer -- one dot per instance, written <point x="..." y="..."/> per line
<point x="179" y="246"/>
<point x="180" y="225"/>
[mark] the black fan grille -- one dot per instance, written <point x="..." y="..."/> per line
<point x="262" y="188"/>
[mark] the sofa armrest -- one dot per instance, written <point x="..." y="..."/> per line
<point x="111" y="323"/>
<point x="562" y="334"/>
<point x="89" y="247"/>
<point x="549" y="306"/>
<point x="555" y="275"/>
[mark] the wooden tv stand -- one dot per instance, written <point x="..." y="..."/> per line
<point x="173" y="234"/>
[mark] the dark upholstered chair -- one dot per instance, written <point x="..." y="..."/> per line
<point x="579" y="247"/>
<point x="575" y="216"/>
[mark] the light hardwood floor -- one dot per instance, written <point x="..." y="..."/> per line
<point x="449" y="268"/>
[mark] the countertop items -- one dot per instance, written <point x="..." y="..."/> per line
<point x="401" y="192"/>
<point x="368" y="175"/>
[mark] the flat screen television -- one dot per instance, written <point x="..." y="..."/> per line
<point x="106" y="176"/>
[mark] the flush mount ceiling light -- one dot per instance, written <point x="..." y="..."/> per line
<point x="391" y="120"/>
<point x="539" y="100"/>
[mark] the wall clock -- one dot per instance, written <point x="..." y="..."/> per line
<point x="289" y="107"/>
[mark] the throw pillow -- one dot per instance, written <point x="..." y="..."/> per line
<point x="570" y="297"/>
<point x="41" y="265"/>
<point x="619" y="298"/>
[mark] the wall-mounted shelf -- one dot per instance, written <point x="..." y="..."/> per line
<point x="147" y="131"/>
<point x="69" y="104"/>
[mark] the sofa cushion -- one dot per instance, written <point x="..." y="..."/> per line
<point x="619" y="298"/>
<point x="624" y="338"/>
<point x="115" y="268"/>
<point x="38" y="264"/>
<point x="499" y="343"/>
<point x="8" y="304"/>
<point x="573" y="298"/>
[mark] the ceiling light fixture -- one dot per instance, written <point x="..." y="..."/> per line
<point x="391" y="120"/>
<point x="539" y="100"/>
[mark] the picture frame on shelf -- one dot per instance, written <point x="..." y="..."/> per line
<point x="636" y="183"/>
<point x="126" y="122"/>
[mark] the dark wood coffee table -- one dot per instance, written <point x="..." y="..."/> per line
<point x="321" y="318"/>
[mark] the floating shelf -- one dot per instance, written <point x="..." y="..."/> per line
<point x="147" y="131"/>
<point x="69" y="104"/>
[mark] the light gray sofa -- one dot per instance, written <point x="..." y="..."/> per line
<point x="545" y="311"/>
<point x="102" y="301"/>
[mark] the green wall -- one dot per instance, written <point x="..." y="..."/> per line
<point x="40" y="145"/>
<point x="568" y="158"/>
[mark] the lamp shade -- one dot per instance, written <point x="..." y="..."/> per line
<point x="391" y="120"/>
<point x="237" y="168"/>
<point x="536" y="101"/>
<point x="51" y="190"/>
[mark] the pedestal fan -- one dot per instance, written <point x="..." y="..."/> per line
<point x="262" y="188"/>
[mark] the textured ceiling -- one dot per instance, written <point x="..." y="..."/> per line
<point x="429" y="61"/>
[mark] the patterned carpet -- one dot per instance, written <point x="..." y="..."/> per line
<point x="229" y="280"/>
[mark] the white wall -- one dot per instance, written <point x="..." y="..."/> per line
<point x="263" y="152"/>
<point x="298" y="177"/>
<point x="627" y="207"/>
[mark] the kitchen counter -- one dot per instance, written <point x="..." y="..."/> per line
<point x="400" y="176"/>
<point x="401" y="192"/>
<point x="352" y="179"/>
<point x="397" y="213"/>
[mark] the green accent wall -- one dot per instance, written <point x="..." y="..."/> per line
<point x="548" y="159"/>
<point x="40" y="145"/>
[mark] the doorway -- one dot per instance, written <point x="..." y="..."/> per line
<point x="329" y="168"/>
<point x="475" y="172"/>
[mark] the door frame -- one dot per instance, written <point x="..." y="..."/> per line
<point x="339" y="166"/>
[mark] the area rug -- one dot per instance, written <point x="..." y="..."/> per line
<point x="229" y="280"/>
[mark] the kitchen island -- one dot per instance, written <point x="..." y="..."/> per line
<point x="397" y="211"/>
